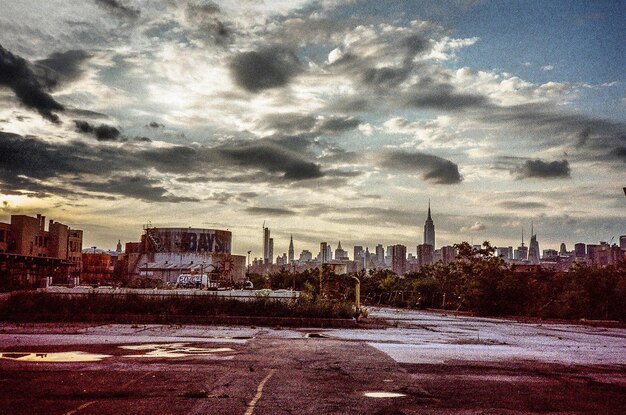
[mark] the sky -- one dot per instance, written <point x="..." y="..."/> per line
<point x="329" y="120"/>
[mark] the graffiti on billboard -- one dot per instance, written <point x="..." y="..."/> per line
<point x="205" y="242"/>
<point x="189" y="240"/>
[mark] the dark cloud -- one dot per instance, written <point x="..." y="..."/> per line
<point x="102" y="132"/>
<point x="594" y="137"/>
<point x="154" y="124"/>
<point x="137" y="187"/>
<point x="61" y="67"/>
<point x="442" y="96"/>
<point x="516" y="205"/>
<point x="269" y="157"/>
<point x="29" y="164"/>
<point x="106" y="133"/>
<point x="385" y="77"/>
<point x="16" y="74"/>
<point x="264" y="211"/>
<point x="118" y="8"/>
<point x="433" y="168"/>
<point x="401" y="50"/>
<point x="620" y="153"/>
<point x="337" y="124"/>
<point x="288" y="124"/>
<point x="416" y="44"/>
<point x="544" y="169"/>
<point x="297" y="131"/>
<point x="267" y="68"/>
<point x="209" y="25"/>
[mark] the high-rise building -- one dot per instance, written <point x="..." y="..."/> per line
<point x="323" y="252"/>
<point x="340" y="253"/>
<point x="291" y="250"/>
<point x="521" y="253"/>
<point x="271" y="249"/>
<point x="448" y="254"/>
<point x="398" y="261"/>
<point x="424" y="253"/>
<point x="533" y="249"/>
<point x="118" y="249"/>
<point x="305" y="256"/>
<point x="504" y="252"/>
<point x="358" y="252"/>
<point x="580" y="250"/>
<point x="563" y="249"/>
<point x="380" y="255"/>
<point x="622" y="242"/>
<point x="550" y="254"/>
<point x="429" y="229"/>
<point x="267" y="257"/>
<point x="389" y="254"/>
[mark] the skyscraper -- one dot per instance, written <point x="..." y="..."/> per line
<point x="291" y="251"/>
<point x="521" y="252"/>
<point x="340" y="253"/>
<point x="533" y="249"/>
<point x="429" y="229"/>
<point x="271" y="251"/>
<point x="324" y="252"/>
<point x="380" y="255"/>
<point x="267" y="256"/>
<point x="398" y="261"/>
<point x="424" y="254"/>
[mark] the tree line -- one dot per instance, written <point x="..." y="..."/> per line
<point x="480" y="282"/>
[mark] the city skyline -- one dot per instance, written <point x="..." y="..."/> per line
<point x="329" y="120"/>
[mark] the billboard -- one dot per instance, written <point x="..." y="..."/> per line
<point x="188" y="240"/>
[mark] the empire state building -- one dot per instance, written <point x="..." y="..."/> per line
<point x="429" y="230"/>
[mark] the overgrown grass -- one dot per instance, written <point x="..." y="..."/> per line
<point x="73" y="307"/>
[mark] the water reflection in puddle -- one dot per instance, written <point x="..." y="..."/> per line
<point x="384" y="394"/>
<point x="173" y="350"/>
<point x="54" y="357"/>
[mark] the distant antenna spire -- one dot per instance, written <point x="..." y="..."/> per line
<point x="429" y="209"/>
<point x="532" y="232"/>
<point x="522" y="236"/>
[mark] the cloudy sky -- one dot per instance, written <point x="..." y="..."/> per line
<point x="330" y="120"/>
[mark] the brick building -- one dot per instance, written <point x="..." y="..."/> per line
<point x="29" y="252"/>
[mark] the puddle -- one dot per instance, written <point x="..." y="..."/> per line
<point x="173" y="350"/>
<point x="59" y="357"/>
<point x="316" y="336"/>
<point x="384" y="394"/>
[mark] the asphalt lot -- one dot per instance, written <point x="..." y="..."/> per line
<point x="430" y="363"/>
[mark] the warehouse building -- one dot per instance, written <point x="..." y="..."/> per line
<point x="30" y="253"/>
<point x="166" y="253"/>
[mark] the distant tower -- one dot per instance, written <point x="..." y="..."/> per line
<point x="563" y="249"/>
<point x="533" y="249"/>
<point x="267" y="255"/>
<point x="271" y="251"/>
<point x="429" y="229"/>
<point x="291" y="251"/>
<point x="119" y="246"/>
<point x="324" y="252"/>
<point x="522" y="251"/>
<point x="340" y="253"/>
